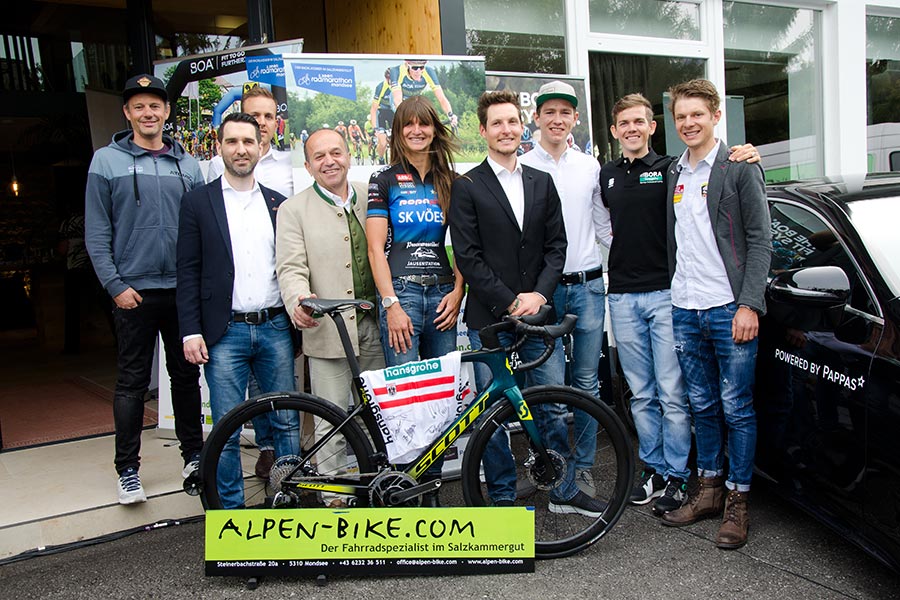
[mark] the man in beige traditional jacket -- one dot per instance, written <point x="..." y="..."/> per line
<point x="321" y="250"/>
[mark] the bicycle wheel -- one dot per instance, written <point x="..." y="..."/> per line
<point x="347" y="455"/>
<point x="605" y="457"/>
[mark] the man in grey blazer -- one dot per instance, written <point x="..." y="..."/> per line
<point x="719" y="252"/>
<point x="321" y="251"/>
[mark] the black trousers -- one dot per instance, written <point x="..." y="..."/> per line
<point x="136" y="333"/>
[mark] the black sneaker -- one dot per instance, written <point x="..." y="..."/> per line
<point x="581" y="504"/>
<point x="673" y="498"/>
<point x="652" y="485"/>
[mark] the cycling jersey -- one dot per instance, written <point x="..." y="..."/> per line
<point x="341" y="129"/>
<point x="355" y="132"/>
<point x="383" y="95"/>
<point x="411" y="87"/>
<point x="416" y="228"/>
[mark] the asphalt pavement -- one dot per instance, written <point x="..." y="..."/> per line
<point x="789" y="555"/>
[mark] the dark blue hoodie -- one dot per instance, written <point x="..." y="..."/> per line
<point x="131" y="212"/>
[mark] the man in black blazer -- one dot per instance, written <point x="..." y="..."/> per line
<point x="510" y="244"/>
<point x="230" y="313"/>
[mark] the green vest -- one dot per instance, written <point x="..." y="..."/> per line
<point x="363" y="283"/>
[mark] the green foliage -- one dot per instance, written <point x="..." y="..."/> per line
<point x="210" y="94"/>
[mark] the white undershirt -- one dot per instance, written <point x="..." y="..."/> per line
<point x="577" y="180"/>
<point x="253" y="249"/>
<point x="511" y="182"/>
<point x="700" y="280"/>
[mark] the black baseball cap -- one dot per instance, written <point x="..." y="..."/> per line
<point x="144" y="84"/>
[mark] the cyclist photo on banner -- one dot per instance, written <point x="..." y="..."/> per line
<point x="339" y="89"/>
<point x="412" y="77"/>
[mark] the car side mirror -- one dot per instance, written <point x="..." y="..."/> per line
<point x="809" y="298"/>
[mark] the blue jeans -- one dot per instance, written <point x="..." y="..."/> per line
<point x="551" y="419"/>
<point x="262" y="425"/>
<point x="420" y="303"/>
<point x="588" y="302"/>
<point x="719" y="376"/>
<point x="267" y="350"/>
<point x="645" y="342"/>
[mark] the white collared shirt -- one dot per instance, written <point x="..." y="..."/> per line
<point x="577" y="180"/>
<point x="338" y="201"/>
<point x="273" y="170"/>
<point x="511" y="182"/>
<point x="700" y="280"/>
<point x="252" y="249"/>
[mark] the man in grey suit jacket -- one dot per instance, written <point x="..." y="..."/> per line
<point x="321" y="251"/>
<point x="719" y="253"/>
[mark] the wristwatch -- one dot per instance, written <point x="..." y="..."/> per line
<point x="389" y="301"/>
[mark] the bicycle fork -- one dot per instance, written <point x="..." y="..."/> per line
<point x="540" y="463"/>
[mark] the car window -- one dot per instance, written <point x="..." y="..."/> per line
<point x="801" y="238"/>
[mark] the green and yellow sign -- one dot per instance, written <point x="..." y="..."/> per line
<point x="369" y="540"/>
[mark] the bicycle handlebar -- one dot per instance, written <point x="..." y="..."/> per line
<point x="525" y="327"/>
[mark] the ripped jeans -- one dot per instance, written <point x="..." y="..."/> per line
<point x="719" y="376"/>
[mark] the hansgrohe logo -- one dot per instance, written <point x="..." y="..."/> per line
<point x="413" y="369"/>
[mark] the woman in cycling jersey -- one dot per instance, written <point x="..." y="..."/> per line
<point x="419" y="291"/>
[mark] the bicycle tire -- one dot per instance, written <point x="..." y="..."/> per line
<point x="558" y="535"/>
<point x="257" y="492"/>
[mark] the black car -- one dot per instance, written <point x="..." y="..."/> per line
<point x="828" y="370"/>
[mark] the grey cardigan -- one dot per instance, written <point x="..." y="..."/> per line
<point x="739" y="214"/>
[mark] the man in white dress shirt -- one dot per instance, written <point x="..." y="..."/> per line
<point x="580" y="290"/>
<point x="230" y="311"/>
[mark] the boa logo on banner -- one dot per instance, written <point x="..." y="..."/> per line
<point x="266" y="69"/>
<point x="328" y="79"/>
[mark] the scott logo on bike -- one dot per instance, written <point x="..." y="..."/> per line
<point x="523" y="412"/>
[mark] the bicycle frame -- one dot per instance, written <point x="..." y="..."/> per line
<point x="503" y="385"/>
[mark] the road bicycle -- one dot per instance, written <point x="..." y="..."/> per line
<point x="348" y="457"/>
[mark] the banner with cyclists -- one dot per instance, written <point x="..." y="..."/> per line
<point x="356" y="95"/>
<point x="527" y="86"/>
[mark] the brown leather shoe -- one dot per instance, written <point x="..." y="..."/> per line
<point x="264" y="463"/>
<point x="736" y="522"/>
<point x="706" y="500"/>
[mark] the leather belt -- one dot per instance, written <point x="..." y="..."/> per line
<point x="428" y="279"/>
<point x="257" y="317"/>
<point x="581" y="276"/>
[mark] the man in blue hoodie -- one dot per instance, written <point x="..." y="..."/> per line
<point x="132" y="202"/>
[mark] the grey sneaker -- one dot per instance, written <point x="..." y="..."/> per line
<point x="130" y="489"/>
<point x="652" y="485"/>
<point x="673" y="498"/>
<point x="584" y="479"/>
<point x="581" y="504"/>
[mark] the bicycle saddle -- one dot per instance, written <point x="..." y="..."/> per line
<point x="328" y="307"/>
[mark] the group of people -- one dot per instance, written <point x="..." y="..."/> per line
<point x="233" y="258"/>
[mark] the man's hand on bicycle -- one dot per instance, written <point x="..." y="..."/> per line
<point x="526" y="303"/>
<point x="302" y="316"/>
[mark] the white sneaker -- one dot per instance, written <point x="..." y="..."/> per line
<point x="585" y="481"/>
<point x="130" y="489"/>
<point x="190" y="468"/>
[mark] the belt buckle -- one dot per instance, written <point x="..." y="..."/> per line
<point x="254" y="318"/>
<point x="429" y="279"/>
